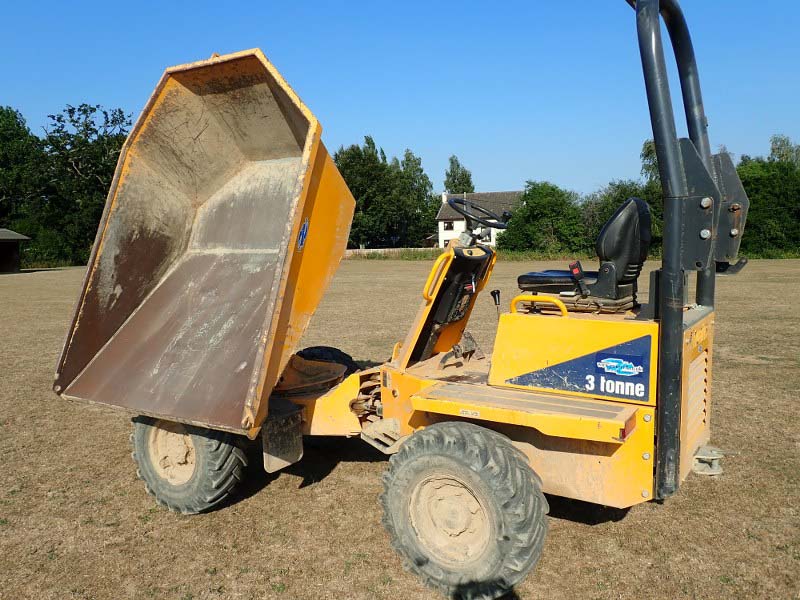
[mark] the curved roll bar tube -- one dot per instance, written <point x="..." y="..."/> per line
<point x="675" y="189"/>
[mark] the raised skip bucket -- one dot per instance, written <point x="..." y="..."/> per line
<point x="224" y="224"/>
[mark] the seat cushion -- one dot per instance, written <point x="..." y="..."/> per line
<point x="552" y="280"/>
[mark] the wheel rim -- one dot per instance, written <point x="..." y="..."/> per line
<point x="172" y="452"/>
<point x="451" y="521"/>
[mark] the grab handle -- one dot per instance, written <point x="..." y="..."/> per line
<point x="534" y="298"/>
<point x="439" y="267"/>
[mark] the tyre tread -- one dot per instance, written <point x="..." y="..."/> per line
<point x="516" y="488"/>
<point x="223" y="464"/>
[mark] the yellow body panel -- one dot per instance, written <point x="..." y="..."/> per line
<point x="552" y="352"/>
<point x="327" y="212"/>
<point x="571" y="461"/>
<point x="618" y="475"/>
<point x="610" y="472"/>
<point x="583" y="447"/>
<point x="572" y="441"/>
<point x="397" y="389"/>
<point x="696" y="392"/>
<point x="330" y="413"/>
<point x="553" y="415"/>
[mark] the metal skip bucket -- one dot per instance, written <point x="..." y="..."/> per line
<point x="224" y="224"/>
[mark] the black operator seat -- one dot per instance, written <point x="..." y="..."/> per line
<point x="622" y="248"/>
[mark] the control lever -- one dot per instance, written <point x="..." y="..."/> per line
<point x="577" y="274"/>
<point x="496" y="297"/>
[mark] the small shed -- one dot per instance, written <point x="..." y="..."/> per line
<point x="9" y="250"/>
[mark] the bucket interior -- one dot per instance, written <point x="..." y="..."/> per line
<point x="185" y="272"/>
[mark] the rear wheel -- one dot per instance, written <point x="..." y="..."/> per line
<point x="188" y="469"/>
<point x="464" y="510"/>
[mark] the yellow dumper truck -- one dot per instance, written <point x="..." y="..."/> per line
<point x="224" y="225"/>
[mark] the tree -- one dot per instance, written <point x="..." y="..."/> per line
<point x="773" y="221"/>
<point x="395" y="206"/>
<point x="547" y="219"/>
<point x="782" y="149"/>
<point x="21" y="162"/>
<point x="423" y="204"/>
<point x="457" y="178"/>
<point x="78" y="157"/>
<point x="366" y="174"/>
<point x="649" y="161"/>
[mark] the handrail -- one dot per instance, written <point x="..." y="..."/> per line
<point x="536" y="298"/>
<point x="441" y="264"/>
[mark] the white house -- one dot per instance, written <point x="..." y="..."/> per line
<point x="452" y="224"/>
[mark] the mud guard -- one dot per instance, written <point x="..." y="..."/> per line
<point x="282" y="436"/>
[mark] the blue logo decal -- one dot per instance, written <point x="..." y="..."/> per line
<point x="619" y="366"/>
<point x="301" y="237"/>
<point x="621" y="371"/>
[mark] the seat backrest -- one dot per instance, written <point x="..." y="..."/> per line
<point x="625" y="239"/>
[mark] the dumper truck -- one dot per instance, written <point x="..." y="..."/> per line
<point x="224" y="225"/>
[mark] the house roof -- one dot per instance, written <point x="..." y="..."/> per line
<point x="497" y="202"/>
<point x="8" y="235"/>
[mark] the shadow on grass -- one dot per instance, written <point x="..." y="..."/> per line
<point x="321" y="455"/>
<point x="584" y="512"/>
<point x="467" y="590"/>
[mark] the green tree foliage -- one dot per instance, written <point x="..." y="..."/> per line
<point x="83" y="145"/>
<point x="417" y="188"/>
<point x="773" y="222"/>
<point x="782" y="149"/>
<point x="598" y="207"/>
<point x="547" y="219"/>
<point x="457" y="178"/>
<point x="21" y="155"/>
<point x="649" y="161"/>
<point x="53" y="189"/>
<point x="395" y="205"/>
<point x="59" y="182"/>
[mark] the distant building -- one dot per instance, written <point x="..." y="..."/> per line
<point x="9" y="250"/>
<point x="451" y="224"/>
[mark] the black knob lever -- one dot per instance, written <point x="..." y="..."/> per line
<point x="496" y="297"/>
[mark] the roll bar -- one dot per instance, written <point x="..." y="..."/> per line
<point x="657" y="84"/>
<point x="659" y="99"/>
<point x="672" y="172"/>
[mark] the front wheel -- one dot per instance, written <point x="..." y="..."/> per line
<point x="188" y="469"/>
<point x="464" y="510"/>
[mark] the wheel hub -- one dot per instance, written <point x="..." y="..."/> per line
<point x="172" y="452"/>
<point x="450" y="520"/>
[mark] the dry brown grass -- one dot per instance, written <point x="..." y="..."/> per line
<point x="75" y="522"/>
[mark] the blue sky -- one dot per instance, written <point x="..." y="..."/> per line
<point x="518" y="90"/>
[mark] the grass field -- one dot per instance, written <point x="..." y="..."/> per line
<point x="76" y="523"/>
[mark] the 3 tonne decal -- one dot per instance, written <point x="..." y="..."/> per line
<point x="621" y="371"/>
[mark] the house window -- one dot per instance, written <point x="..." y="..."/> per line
<point x="448" y="226"/>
